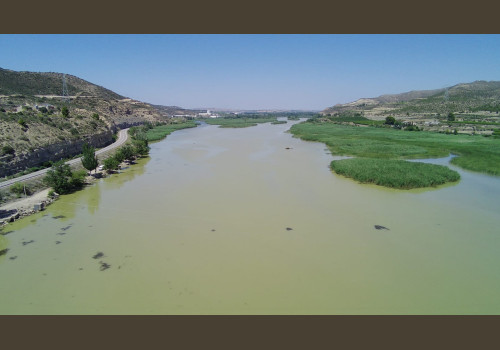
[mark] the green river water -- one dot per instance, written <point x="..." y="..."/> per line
<point x="200" y="227"/>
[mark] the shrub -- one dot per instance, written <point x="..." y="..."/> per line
<point x="7" y="149"/>
<point x="65" y="112"/>
<point x="390" y="120"/>
<point x="119" y="156"/>
<point x="95" y="116"/>
<point x="61" y="178"/>
<point x="412" y="127"/>
<point x="19" y="189"/>
<point x="127" y="152"/>
<point x="22" y="122"/>
<point x="111" y="163"/>
<point x="141" y="147"/>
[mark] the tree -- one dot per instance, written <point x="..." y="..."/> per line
<point x="60" y="178"/>
<point x="65" y="112"/>
<point x="111" y="163"/>
<point x="141" y="147"/>
<point x="89" y="159"/>
<point x="119" y="156"/>
<point x="390" y="120"/>
<point x="451" y="117"/>
<point x="127" y="152"/>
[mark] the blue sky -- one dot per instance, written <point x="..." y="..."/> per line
<point x="258" y="71"/>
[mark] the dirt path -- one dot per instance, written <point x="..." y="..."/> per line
<point x="25" y="204"/>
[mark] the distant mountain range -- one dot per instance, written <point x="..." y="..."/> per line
<point x="478" y="96"/>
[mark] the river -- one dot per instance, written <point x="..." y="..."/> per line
<point x="230" y="221"/>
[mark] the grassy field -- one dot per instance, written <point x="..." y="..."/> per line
<point x="476" y="153"/>
<point x="394" y="173"/>
<point x="240" y="122"/>
<point x="159" y="132"/>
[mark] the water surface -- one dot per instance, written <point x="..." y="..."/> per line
<point x="230" y="221"/>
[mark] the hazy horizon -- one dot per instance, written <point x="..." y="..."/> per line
<point x="258" y="72"/>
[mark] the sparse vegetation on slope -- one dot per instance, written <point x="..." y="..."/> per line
<point x="34" y="116"/>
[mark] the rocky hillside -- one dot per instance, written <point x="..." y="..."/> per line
<point x="34" y="83"/>
<point x="34" y="116"/>
<point x="481" y="98"/>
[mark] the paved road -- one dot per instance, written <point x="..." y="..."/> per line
<point x="122" y="138"/>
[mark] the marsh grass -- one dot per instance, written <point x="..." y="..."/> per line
<point x="394" y="173"/>
<point x="159" y="132"/>
<point x="240" y="122"/>
<point x="474" y="153"/>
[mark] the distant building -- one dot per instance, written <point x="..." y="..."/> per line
<point x="207" y="114"/>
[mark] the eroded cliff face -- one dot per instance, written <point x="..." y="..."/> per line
<point x="11" y="164"/>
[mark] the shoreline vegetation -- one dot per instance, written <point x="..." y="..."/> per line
<point x="241" y="122"/>
<point x="253" y="119"/>
<point x="161" y="131"/>
<point x="62" y="180"/>
<point x="375" y="145"/>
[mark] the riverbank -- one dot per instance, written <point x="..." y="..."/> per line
<point x="474" y="153"/>
<point x="22" y="207"/>
<point x="16" y="209"/>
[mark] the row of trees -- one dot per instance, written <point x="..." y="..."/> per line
<point x="63" y="180"/>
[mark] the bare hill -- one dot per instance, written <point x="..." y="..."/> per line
<point x="34" y="125"/>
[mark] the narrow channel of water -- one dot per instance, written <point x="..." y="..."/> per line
<point x="230" y="221"/>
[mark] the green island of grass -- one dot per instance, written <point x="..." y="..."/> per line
<point x="476" y="153"/>
<point x="239" y="122"/>
<point x="394" y="173"/>
<point x="159" y="132"/>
